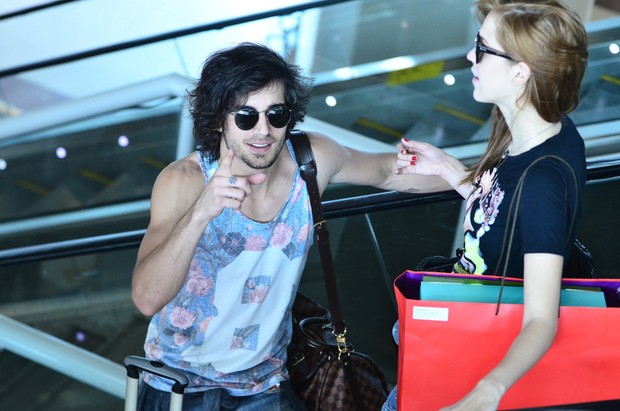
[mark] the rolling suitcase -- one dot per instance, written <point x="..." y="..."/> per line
<point x="134" y="365"/>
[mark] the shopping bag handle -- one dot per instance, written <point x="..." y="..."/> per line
<point x="514" y="207"/>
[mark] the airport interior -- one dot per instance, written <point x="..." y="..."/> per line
<point x="93" y="105"/>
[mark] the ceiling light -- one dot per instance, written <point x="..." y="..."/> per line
<point x="123" y="141"/>
<point x="61" y="152"/>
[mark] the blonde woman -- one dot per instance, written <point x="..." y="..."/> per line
<point x="529" y="59"/>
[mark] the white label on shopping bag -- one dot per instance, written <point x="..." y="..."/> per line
<point x="430" y="313"/>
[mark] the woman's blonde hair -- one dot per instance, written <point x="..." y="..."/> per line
<point x="553" y="42"/>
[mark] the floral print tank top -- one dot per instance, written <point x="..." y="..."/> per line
<point x="230" y="324"/>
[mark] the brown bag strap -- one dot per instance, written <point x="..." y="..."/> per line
<point x="307" y="169"/>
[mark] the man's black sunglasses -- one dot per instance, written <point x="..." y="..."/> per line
<point x="247" y="117"/>
<point x="480" y="50"/>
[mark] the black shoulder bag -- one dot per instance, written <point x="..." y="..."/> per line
<point x="325" y="370"/>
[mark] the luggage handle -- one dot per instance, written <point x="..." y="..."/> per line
<point x="134" y="364"/>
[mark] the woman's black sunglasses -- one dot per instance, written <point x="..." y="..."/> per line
<point x="247" y="117"/>
<point x="480" y="50"/>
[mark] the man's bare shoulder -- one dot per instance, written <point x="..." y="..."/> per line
<point x="182" y="178"/>
<point x="324" y="147"/>
<point x="328" y="155"/>
<point x="185" y="169"/>
<point x="319" y="141"/>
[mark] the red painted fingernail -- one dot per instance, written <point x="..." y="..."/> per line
<point x="414" y="158"/>
<point x="405" y="139"/>
<point x="412" y="162"/>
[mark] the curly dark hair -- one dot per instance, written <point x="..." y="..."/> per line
<point x="229" y="76"/>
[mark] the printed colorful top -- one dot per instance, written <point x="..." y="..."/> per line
<point x="545" y="210"/>
<point x="230" y="324"/>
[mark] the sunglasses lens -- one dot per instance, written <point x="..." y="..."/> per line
<point x="278" y="116"/>
<point x="246" y="118"/>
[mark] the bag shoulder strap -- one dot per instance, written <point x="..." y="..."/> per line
<point x="307" y="169"/>
<point x="513" y="210"/>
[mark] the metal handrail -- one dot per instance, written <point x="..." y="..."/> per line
<point x="67" y="359"/>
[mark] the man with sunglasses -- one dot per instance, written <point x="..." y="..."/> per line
<point x="230" y="231"/>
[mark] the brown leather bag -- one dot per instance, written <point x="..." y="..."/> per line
<point x="327" y="375"/>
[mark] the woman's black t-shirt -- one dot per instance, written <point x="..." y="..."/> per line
<point x="545" y="212"/>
